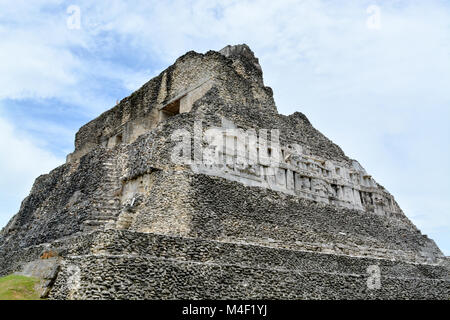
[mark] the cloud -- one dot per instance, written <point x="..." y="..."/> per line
<point x="44" y="59"/>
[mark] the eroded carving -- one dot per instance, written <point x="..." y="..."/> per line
<point x="252" y="159"/>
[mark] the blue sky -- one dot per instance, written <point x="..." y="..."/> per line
<point x="381" y="91"/>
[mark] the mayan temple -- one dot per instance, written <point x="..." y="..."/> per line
<point x="195" y="187"/>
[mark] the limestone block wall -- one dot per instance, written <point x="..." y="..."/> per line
<point x="123" y="277"/>
<point x="133" y="265"/>
<point x="175" y="200"/>
<point x="119" y="242"/>
<point x="263" y="216"/>
<point x="158" y="202"/>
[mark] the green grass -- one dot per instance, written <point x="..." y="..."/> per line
<point x="14" y="287"/>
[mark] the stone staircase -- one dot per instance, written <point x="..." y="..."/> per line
<point x="106" y="204"/>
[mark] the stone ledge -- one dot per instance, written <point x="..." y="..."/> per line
<point x="125" y="277"/>
<point x="113" y="242"/>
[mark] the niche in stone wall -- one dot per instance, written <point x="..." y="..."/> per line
<point x="335" y="189"/>
<point x="170" y="110"/>
<point x="366" y="198"/>
<point x="119" y="139"/>
<point x="138" y="186"/>
<point x="114" y="140"/>
<point x="133" y="194"/>
<point x="184" y="101"/>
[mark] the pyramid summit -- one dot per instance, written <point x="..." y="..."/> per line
<point x="195" y="187"/>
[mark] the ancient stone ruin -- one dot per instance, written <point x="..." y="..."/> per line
<point x="195" y="187"/>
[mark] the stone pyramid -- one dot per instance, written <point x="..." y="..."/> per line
<point x="195" y="187"/>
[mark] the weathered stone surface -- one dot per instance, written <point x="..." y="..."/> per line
<point x="121" y="219"/>
<point x="45" y="269"/>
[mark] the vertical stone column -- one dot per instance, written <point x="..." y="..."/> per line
<point x="290" y="183"/>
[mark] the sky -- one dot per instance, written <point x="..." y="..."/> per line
<point x="373" y="76"/>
